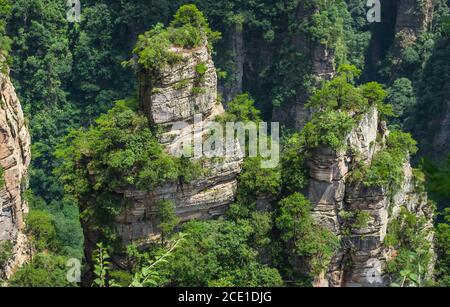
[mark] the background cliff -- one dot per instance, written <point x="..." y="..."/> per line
<point x="15" y="156"/>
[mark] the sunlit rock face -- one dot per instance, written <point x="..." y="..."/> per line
<point x="15" y="158"/>
<point x="331" y="191"/>
<point x="176" y="101"/>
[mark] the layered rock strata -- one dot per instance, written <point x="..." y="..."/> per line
<point x="15" y="158"/>
<point x="360" y="260"/>
<point x="181" y="102"/>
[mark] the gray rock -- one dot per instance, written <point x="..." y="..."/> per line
<point x="15" y="156"/>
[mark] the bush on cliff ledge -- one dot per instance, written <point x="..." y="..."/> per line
<point x="188" y="29"/>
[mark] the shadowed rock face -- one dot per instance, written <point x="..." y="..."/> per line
<point x="170" y="101"/>
<point x="15" y="158"/>
<point x="331" y="192"/>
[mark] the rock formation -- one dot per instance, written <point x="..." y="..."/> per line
<point x="331" y="191"/>
<point x="15" y="158"/>
<point x="172" y="101"/>
<point x="321" y="65"/>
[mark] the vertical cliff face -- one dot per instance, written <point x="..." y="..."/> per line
<point x="413" y="18"/>
<point x="175" y="100"/>
<point x="15" y="158"/>
<point x="321" y="64"/>
<point x="332" y="191"/>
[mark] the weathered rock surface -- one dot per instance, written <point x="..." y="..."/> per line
<point x="331" y="191"/>
<point x="413" y="19"/>
<point x="15" y="158"/>
<point x="172" y="102"/>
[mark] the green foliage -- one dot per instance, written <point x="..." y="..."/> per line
<point x="218" y="252"/>
<point x="120" y="151"/>
<point x="442" y="243"/>
<point x="65" y="214"/>
<point x="340" y="93"/>
<point x="338" y="105"/>
<point x="386" y="168"/>
<point x="201" y="69"/>
<point x="2" y="178"/>
<point x="188" y="29"/>
<point x="256" y="181"/>
<point x="5" y="41"/>
<point x="407" y="234"/>
<point x="168" y="220"/>
<point x="402" y="98"/>
<point x="438" y="178"/>
<point x="293" y="170"/>
<point x="241" y="108"/>
<point x="153" y="47"/>
<point x="328" y="128"/>
<point x="45" y="270"/>
<point x="354" y="219"/>
<point x="102" y="267"/>
<point x="148" y="275"/>
<point x="6" y="253"/>
<point x="315" y="244"/>
<point x="41" y="228"/>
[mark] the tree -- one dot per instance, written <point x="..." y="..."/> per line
<point x="45" y="270"/>
<point x="42" y="230"/>
<point x="315" y="244"/>
<point x="167" y="217"/>
<point x="5" y="41"/>
<point x="218" y="252"/>
<point x="402" y="98"/>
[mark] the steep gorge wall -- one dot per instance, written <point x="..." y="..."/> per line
<point x="15" y="156"/>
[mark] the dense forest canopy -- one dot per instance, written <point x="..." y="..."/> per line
<point x="78" y="88"/>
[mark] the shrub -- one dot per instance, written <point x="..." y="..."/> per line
<point x="41" y="227"/>
<point x="218" y="253"/>
<point x="328" y="128"/>
<point x="314" y="243"/>
<point x="168" y="220"/>
<point x="45" y="270"/>
<point x="201" y="69"/>
<point x="386" y="168"/>
<point x="6" y="253"/>
<point x="188" y="29"/>
<point x="407" y="234"/>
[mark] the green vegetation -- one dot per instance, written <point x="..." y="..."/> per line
<point x="438" y="186"/>
<point x="218" y="253"/>
<point x="354" y="219"/>
<point x="407" y="235"/>
<point x="338" y="105"/>
<point x="386" y="168"/>
<point x="188" y="29"/>
<point x="328" y="128"/>
<point x="2" y="178"/>
<point x="5" y="41"/>
<point x="442" y="242"/>
<point x="6" y="252"/>
<point x="241" y="108"/>
<point x="402" y="98"/>
<point x="45" y="270"/>
<point x="119" y="152"/>
<point x="167" y="217"/>
<point x="303" y="238"/>
<point x="41" y="229"/>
